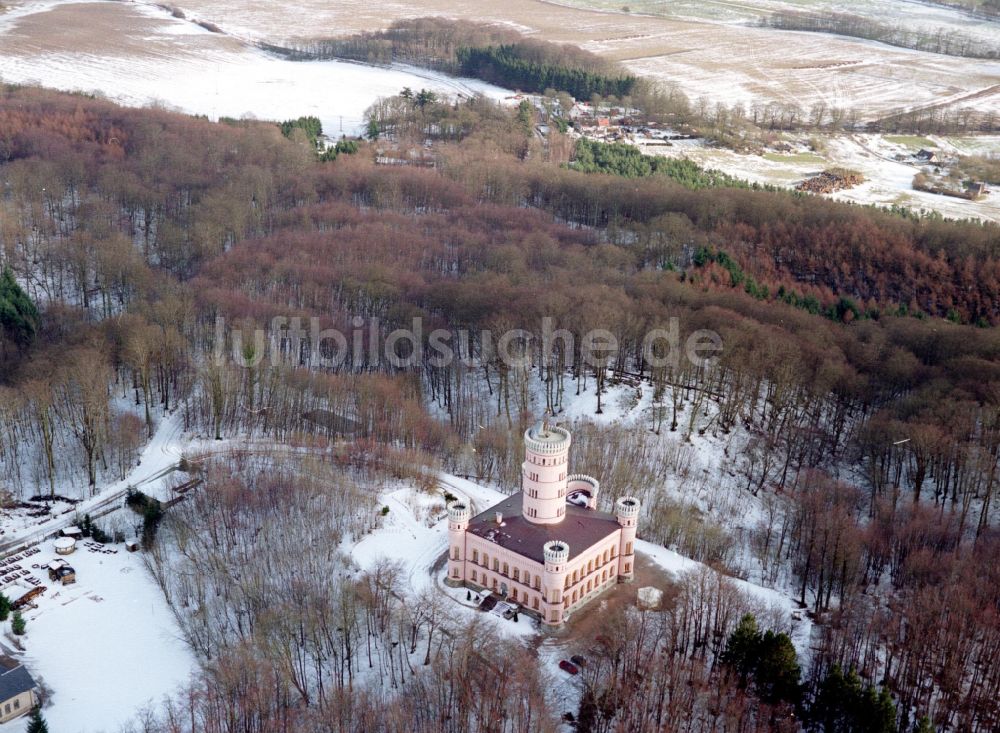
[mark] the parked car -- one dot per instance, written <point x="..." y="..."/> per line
<point x="568" y="667"/>
<point x="578" y="660"/>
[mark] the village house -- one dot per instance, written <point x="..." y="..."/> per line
<point x="18" y="691"/>
<point x="546" y="548"/>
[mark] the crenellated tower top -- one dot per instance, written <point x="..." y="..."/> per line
<point x="627" y="507"/>
<point x="545" y="440"/>
<point x="459" y="514"/>
<point x="556" y="552"/>
<point x="544" y="473"/>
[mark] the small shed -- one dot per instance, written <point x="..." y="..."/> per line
<point x="65" y="545"/>
<point x="649" y="598"/>
<point x="929" y="156"/>
<point x="60" y="571"/>
<point x="132" y="545"/>
<point x="73" y="531"/>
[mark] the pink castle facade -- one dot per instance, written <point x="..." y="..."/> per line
<point x="545" y="548"/>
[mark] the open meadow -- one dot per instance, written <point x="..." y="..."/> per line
<point x="713" y="50"/>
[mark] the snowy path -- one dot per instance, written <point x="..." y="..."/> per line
<point x="160" y="456"/>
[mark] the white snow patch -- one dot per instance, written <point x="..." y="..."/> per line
<point x="218" y="80"/>
<point x="104" y="646"/>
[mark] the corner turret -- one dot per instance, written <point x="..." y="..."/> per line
<point x="627" y="513"/>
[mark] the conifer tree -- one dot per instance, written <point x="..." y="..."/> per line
<point x="742" y="647"/>
<point x="36" y="723"/>
<point x="776" y="672"/>
<point x="18" y="315"/>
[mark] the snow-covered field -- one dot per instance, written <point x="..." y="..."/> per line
<point x="140" y="55"/>
<point x="105" y="646"/>
<point x="711" y="50"/>
<point x="887" y="180"/>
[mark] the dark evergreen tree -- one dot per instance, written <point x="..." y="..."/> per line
<point x="833" y="710"/>
<point x="742" y="647"/>
<point x="844" y="704"/>
<point x="4" y="607"/>
<point x="18" y="320"/>
<point x="36" y="723"/>
<point x="776" y="673"/>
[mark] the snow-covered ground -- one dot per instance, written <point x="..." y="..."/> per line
<point x="888" y="181"/>
<point x="712" y="49"/>
<point x="105" y="646"/>
<point x="174" y="63"/>
<point x="414" y="534"/>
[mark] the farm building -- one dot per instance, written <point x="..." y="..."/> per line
<point x="546" y="548"/>
<point x="976" y="189"/>
<point x="18" y="691"/>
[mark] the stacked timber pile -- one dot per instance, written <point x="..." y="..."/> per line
<point x="830" y="180"/>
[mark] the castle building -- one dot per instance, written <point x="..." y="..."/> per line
<point x="545" y="548"/>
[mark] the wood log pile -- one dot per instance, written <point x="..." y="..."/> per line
<point x="833" y="179"/>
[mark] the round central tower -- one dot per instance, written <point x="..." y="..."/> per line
<point x="543" y="474"/>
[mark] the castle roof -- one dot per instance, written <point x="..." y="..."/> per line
<point x="580" y="528"/>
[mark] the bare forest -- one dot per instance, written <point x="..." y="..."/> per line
<point x="857" y="388"/>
